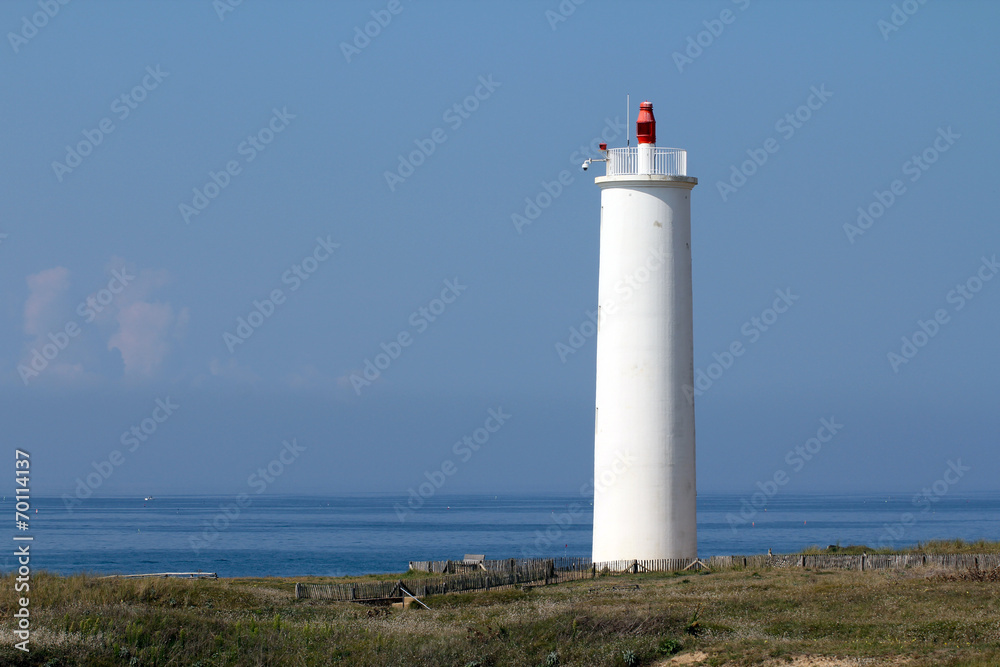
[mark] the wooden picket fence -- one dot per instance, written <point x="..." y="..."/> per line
<point x="457" y="566"/>
<point x="858" y="562"/>
<point x="657" y="565"/>
<point x="514" y="573"/>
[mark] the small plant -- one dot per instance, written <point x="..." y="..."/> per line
<point x="552" y="659"/>
<point x="694" y="626"/>
<point x="630" y="658"/>
<point x="669" y="646"/>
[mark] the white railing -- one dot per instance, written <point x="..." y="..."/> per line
<point x="666" y="162"/>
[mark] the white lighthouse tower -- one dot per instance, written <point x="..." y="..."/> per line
<point x="644" y="467"/>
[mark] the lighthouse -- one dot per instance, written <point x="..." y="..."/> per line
<point x="644" y="453"/>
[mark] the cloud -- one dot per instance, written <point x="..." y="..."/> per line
<point x="46" y="294"/>
<point x="121" y="330"/>
<point x="144" y="336"/>
<point x="147" y="329"/>
<point x="145" y="283"/>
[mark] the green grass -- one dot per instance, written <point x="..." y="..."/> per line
<point x="735" y="618"/>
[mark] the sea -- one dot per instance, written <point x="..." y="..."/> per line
<point x="359" y="534"/>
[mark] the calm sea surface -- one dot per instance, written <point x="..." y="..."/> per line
<point x="310" y="535"/>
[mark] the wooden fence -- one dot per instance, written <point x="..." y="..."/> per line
<point x="859" y="562"/>
<point x="817" y="561"/>
<point x="512" y="573"/>
<point x="457" y="566"/>
<point x="757" y="561"/>
<point x="658" y="565"/>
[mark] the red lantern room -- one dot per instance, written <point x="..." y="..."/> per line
<point x="645" y="126"/>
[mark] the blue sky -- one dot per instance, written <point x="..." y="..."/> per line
<point x="286" y="123"/>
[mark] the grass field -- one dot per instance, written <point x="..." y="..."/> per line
<point x="774" y="617"/>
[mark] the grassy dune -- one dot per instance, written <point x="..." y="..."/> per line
<point x="727" y="618"/>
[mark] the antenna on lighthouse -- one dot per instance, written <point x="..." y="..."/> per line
<point x="628" y="116"/>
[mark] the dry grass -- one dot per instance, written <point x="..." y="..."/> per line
<point x="796" y="618"/>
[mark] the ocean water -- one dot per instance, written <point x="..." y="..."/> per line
<point x="340" y="535"/>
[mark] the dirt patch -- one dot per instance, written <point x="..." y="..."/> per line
<point x="824" y="661"/>
<point x="693" y="658"/>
